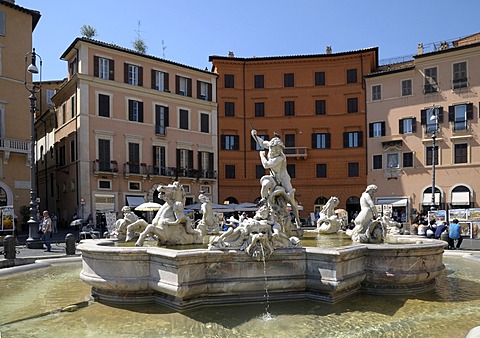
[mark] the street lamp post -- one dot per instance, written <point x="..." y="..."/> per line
<point x="434" y="117"/>
<point x="33" y="240"/>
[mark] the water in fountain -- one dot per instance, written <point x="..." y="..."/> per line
<point x="32" y="302"/>
<point x="267" y="315"/>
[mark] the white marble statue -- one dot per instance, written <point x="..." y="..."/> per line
<point x="392" y="227"/>
<point x="120" y="229"/>
<point x="208" y="223"/>
<point x="328" y="221"/>
<point x="368" y="225"/>
<point x="171" y="226"/>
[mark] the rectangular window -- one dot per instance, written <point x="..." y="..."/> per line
<point x="103" y="68"/>
<point x="289" y="80"/>
<point x="159" y="80"/>
<point x="72" y="151"/>
<point x="459" y="115"/>
<point x="204" y="91"/>
<point x="72" y="106"/>
<point x="431" y="80"/>
<point x="229" y="171"/>
<point x="408" y="160"/>
<point x="352" y="105"/>
<point x="104" y="155"/>
<point x="431" y="118"/>
<point x="229" y="81"/>
<point x="2" y="23"/>
<point x="320" y="107"/>
<point x="259" y="171"/>
<point x="407" y="125"/>
<point x="49" y="95"/>
<point x="133" y="158"/>
<point x="376" y="92"/>
<point x="429" y="154"/>
<point x="289" y="140"/>
<point x="185" y="160"/>
<point x="406" y="87"/>
<point x="259" y="109"/>
<point x="351" y="76"/>
<point x="61" y="156"/>
<point x="259" y="81"/>
<point x="64" y="113"/>
<point x="229" y="142"/>
<point x="183" y="86"/>
<point x="291" y="170"/>
<point x="183" y="119"/>
<point x="159" y="162"/>
<point x="133" y="74"/>
<point x="72" y="67"/>
<point x="461" y="153"/>
<point x="289" y="108"/>
<point x="377" y="162"/>
<point x="321" y="170"/>
<point x="319" y="78"/>
<point x="229" y="108"/>
<point x="105" y="185"/>
<point x="204" y="123"/>
<point x="135" y="111"/>
<point x="352" y="139"/>
<point x="376" y="129"/>
<point x="206" y="166"/>
<point x="460" y="78"/>
<point x="353" y="169"/>
<point x="321" y="141"/>
<point x="161" y="119"/>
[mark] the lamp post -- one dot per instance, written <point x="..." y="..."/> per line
<point x="434" y="118"/>
<point x="33" y="240"/>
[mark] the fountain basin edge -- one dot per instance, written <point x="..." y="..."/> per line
<point x="184" y="279"/>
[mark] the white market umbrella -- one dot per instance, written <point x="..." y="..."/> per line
<point x="148" y="206"/>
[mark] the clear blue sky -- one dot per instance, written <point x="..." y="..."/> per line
<point x="192" y="30"/>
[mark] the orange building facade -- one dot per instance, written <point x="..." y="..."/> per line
<point x="315" y="103"/>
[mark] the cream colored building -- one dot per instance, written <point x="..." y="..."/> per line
<point x="127" y="122"/>
<point x="16" y="27"/>
<point x="401" y="99"/>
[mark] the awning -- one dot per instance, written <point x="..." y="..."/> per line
<point x="427" y="198"/>
<point x="461" y="198"/>
<point x="135" y="201"/>
<point x="396" y="202"/>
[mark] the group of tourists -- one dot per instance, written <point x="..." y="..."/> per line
<point x="431" y="229"/>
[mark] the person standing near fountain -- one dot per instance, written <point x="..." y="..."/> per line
<point x="46" y="230"/>
<point x="454" y="234"/>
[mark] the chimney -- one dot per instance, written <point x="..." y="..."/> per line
<point x="420" y="49"/>
<point x="328" y="50"/>
<point x="231" y="55"/>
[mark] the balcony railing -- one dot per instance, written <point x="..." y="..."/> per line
<point x="295" y="152"/>
<point x="105" y="166"/>
<point x="181" y="172"/>
<point x="14" y="146"/>
<point x="459" y="84"/>
<point x="135" y="168"/>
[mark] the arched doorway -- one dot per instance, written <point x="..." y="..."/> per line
<point x="461" y="197"/>
<point x="352" y="207"/>
<point x="230" y="200"/>
<point x="319" y="203"/>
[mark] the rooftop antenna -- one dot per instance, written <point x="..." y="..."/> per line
<point x="138" y="31"/>
<point x="163" y="48"/>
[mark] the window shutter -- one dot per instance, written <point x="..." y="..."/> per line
<point x="165" y="84"/>
<point x="328" y="138"/>
<point x="125" y="72"/>
<point x="314" y="141"/>
<point x="222" y="142"/>
<point x="95" y="66"/>
<point x="400" y="126"/>
<point x="190" y="159"/>
<point x="211" y="158"/>
<point x="166" y="116"/>
<point x="153" y="73"/>
<point x="383" y="128"/>
<point x="451" y="113"/>
<point x="423" y="117"/>
<point x="414" y="125"/>
<point x="470" y="111"/>
<point x="177" y="84"/>
<point x="178" y="158"/>
<point x="199" y="161"/>
<point x="130" y="110"/>
<point x="111" y="70"/>
<point x="370" y="130"/>
<point x="237" y="142"/>
<point x="140" y="76"/>
<point x="360" y="139"/>
<point x="189" y="87"/>
<point x="209" y="92"/>
<point x="440" y="114"/>
<point x="345" y="140"/>
<point x="199" y="93"/>
<point x="140" y="111"/>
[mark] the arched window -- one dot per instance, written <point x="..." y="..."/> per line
<point x="230" y="200"/>
<point x="460" y="197"/>
<point x="319" y="203"/>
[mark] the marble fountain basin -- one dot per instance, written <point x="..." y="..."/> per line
<point x="184" y="279"/>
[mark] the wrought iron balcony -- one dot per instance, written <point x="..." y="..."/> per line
<point x="298" y="152"/>
<point x="104" y="167"/>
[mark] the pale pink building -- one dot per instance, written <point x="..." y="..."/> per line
<point x="127" y="122"/>
<point x="401" y="99"/>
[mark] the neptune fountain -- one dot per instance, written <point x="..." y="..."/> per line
<point x="265" y="249"/>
